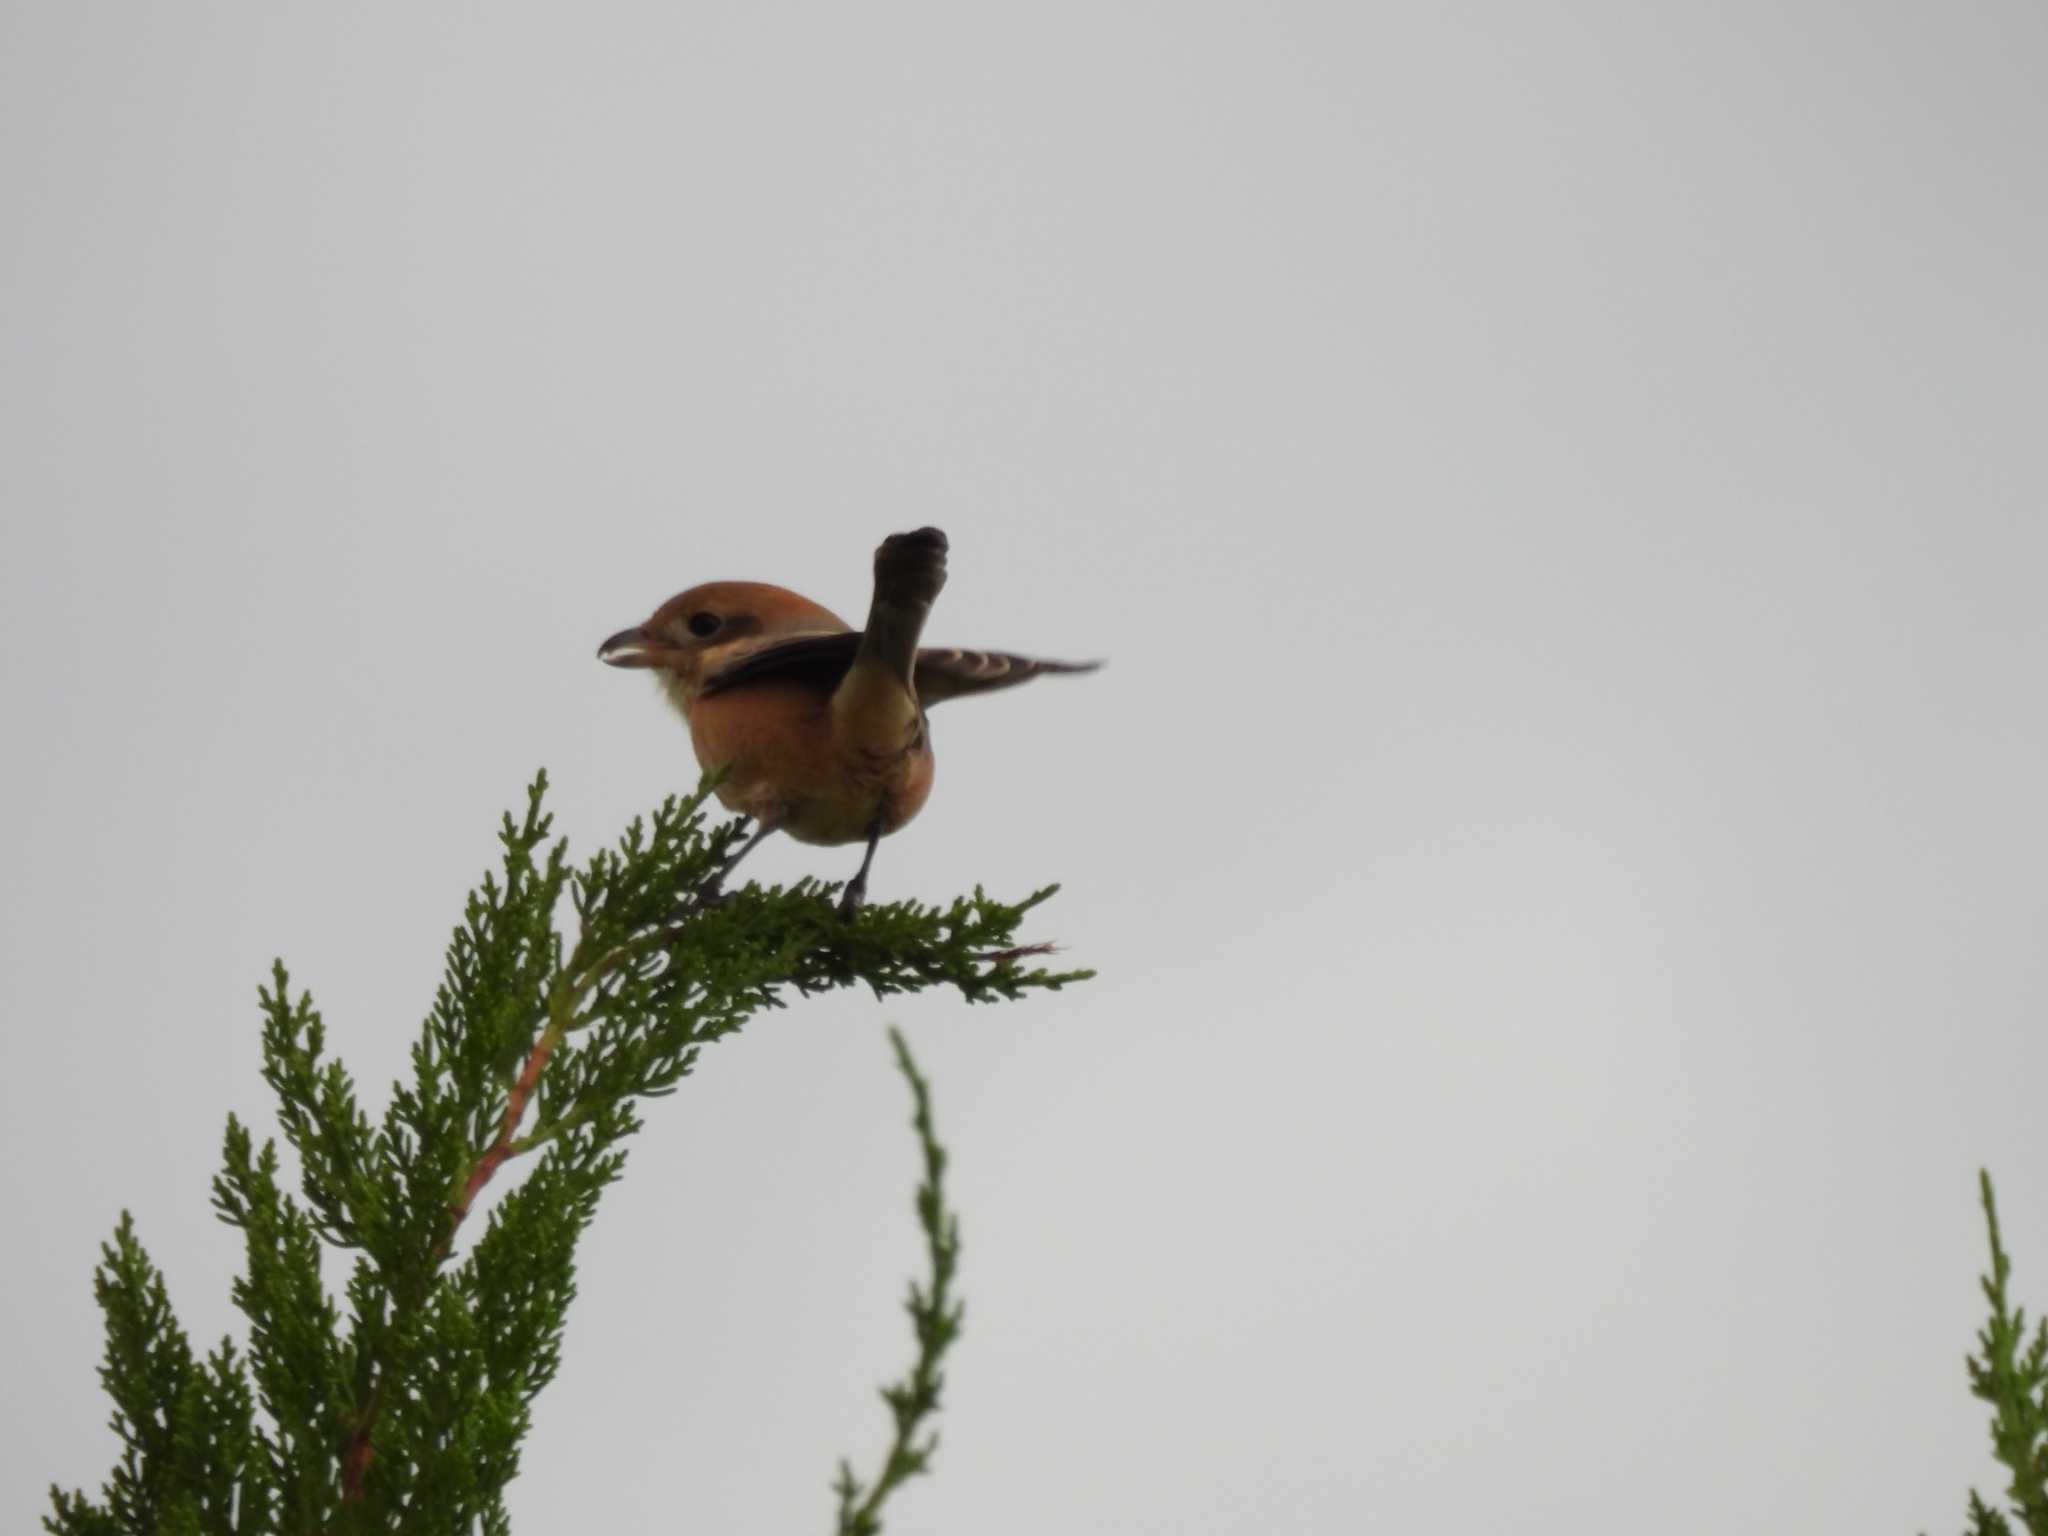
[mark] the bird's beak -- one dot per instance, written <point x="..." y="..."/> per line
<point x="631" y="648"/>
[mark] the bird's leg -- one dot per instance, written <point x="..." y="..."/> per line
<point x="712" y="891"/>
<point x="856" y="892"/>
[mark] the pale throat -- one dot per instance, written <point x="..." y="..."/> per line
<point x="680" y="691"/>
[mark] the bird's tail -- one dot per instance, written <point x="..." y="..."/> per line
<point x="876" y="705"/>
<point x="910" y="568"/>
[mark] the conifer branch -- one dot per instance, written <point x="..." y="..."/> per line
<point x="406" y="1408"/>
<point x="935" y="1322"/>
<point x="2010" y="1372"/>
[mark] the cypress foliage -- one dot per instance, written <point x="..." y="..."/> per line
<point x="403" y="1405"/>
<point x="934" y="1321"/>
<point x="2010" y="1372"/>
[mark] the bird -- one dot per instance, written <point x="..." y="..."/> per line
<point x="818" y="729"/>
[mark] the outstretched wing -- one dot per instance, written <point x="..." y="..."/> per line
<point x="947" y="673"/>
<point x="943" y="672"/>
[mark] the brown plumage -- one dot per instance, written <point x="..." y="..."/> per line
<point x="820" y="729"/>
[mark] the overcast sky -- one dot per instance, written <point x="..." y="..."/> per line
<point x="1562" y="831"/>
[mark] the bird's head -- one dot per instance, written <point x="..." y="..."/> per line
<point x="697" y="632"/>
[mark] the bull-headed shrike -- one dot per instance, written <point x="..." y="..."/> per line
<point x="818" y="729"/>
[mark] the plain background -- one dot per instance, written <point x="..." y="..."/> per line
<point x="1562" y="831"/>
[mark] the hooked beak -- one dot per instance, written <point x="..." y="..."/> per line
<point x="631" y="648"/>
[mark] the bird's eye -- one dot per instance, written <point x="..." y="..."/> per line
<point x="704" y="625"/>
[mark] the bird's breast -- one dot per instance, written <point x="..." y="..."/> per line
<point x="785" y="765"/>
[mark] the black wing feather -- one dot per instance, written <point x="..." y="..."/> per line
<point x="816" y="661"/>
<point x="943" y="672"/>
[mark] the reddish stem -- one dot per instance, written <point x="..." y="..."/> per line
<point x="499" y="1150"/>
<point x="1021" y="952"/>
<point x="357" y="1452"/>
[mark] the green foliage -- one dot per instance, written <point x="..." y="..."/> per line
<point x="191" y="1456"/>
<point x="2010" y="1372"/>
<point x="404" y="1407"/>
<point x="934" y="1320"/>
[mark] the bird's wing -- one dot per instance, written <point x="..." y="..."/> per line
<point x="949" y="673"/>
<point x="819" y="661"/>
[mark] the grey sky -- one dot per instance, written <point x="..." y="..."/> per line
<point x="1562" y="831"/>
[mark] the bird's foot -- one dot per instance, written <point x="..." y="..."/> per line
<point x="853" y="898"/>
